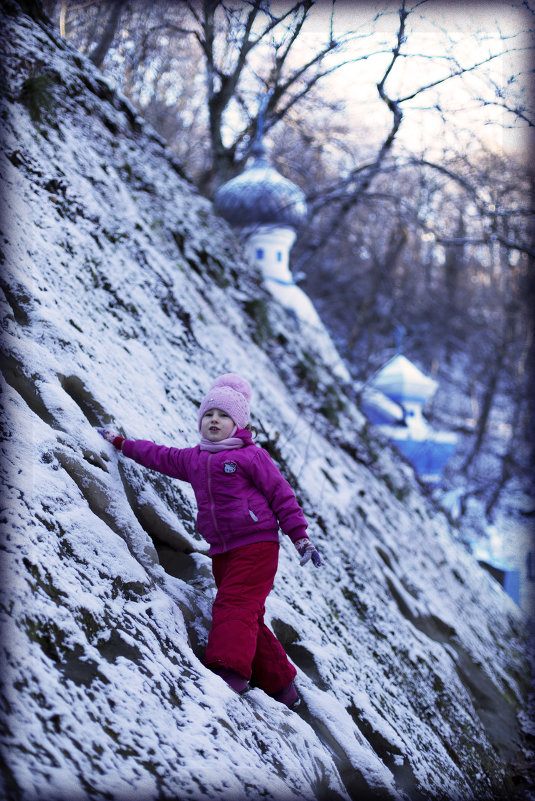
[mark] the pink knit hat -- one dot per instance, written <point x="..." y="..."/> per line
<point x="231" y="394"/>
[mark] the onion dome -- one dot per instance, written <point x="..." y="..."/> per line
<point x="260" y="196"/>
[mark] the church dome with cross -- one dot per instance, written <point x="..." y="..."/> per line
<point x="266" y="210"/>
<point x="261" y="196"/>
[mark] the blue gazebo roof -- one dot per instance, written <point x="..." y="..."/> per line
<point x="401" y="380"/>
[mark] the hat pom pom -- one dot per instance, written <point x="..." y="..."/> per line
<point x="235" y="382"/>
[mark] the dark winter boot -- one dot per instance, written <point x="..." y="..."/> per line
<point x="288" y="695"/>
<point x="236" y="682"/>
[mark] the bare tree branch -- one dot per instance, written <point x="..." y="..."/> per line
<point x="455" y="74"/>
<point x="367" y="176"/>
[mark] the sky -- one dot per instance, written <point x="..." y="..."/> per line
<point x="436" y="33"/>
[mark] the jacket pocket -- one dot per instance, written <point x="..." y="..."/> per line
<point x="259" y="514"/>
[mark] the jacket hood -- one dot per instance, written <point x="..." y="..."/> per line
<point x="245" y="435"/>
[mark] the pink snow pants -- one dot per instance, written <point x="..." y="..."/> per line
<point x="239" y="639"/>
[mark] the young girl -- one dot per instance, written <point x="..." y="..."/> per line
<point x="242" y="500"/>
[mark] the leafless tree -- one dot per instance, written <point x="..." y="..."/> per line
<point x="397" y="239"/>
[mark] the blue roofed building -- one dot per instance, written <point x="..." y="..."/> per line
<point x="394" y="401"/>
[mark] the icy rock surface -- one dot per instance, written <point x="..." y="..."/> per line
<point x="123" y="294"/>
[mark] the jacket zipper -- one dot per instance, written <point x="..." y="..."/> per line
<point x="212" y="502"/>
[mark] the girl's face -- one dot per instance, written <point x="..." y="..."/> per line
<point x="216" y="425"/>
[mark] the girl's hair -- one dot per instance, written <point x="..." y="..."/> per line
<point x="252" y="429"/>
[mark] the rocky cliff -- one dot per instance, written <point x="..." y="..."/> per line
<point x="123" y="295"/>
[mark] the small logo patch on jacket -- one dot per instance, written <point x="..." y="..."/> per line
<point x="230" y="467"/>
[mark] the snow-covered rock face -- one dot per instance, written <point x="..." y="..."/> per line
<point x="122" y="299"/>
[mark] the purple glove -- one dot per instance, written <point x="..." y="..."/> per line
<point x="115" y="439"/>
<point x="307" y="551"/>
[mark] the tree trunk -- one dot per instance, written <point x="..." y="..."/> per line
<point x="495" y="365"/>
<point x="383" y="272"/>
<point x="99" y="52"/>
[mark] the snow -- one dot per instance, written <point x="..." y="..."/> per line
<point x="124" y="295"/>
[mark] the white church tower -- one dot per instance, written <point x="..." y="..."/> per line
<point x="267" y="210"/>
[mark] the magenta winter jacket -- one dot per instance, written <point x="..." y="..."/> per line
<point x="241" y="496"/>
